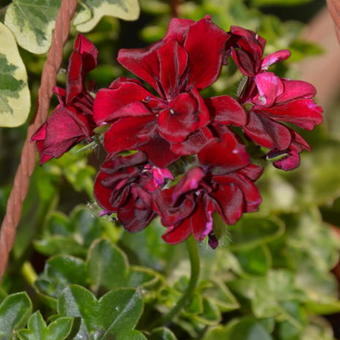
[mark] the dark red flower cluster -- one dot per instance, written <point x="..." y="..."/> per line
<point x="171" y="152"/>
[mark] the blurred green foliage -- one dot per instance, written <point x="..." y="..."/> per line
<point x="270" y="278"/>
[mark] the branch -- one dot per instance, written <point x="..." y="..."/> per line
<point x="28" y="154"/>
<point x="334" y="10"/>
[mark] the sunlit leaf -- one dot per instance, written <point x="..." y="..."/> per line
<point x="123" y="9"/>
<point x="15" y="99"/>
<point x="32" y="22"/>
<point x="116" y="312"/>
<point x="38" y="330"/>
<point x="14" y="310"/>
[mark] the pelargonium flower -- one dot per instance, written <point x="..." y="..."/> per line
<point x="124" y="185"/>
<point x="282" y="100"/>
<point x="72" y="121"/>
<point x="222" y="182"/>
<point x="247" y="48"/>
<point x="173" y="67"/>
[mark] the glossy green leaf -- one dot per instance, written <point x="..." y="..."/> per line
<point x="38" y="330"/>
<point x="142" y="276"/>
<point x="254" y="261"/>
<point x="14" y="310"/>
<point x="123" y="9"/>
<point x="32" y="22"/>
<point x="266" y="294"/>
<point x="218" y="332"/>
<point x="211" y="315"/>
<point x="130" y="335"/>
<point x="108" y="266"/>
<point x="218" y="293"/>
<point x="252" y="231"/>
<point x="61" y="271"/>
<point x="162" y="333"/>
<point x="15" y="99"/>
<point x="248" y="329"/>
<point x="117" y="311"/>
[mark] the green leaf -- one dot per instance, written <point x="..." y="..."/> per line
<point x="15" y="99"/>
<point x="143" y="277"/>
<point x="279" y="2"/>
<point x="218" y="332"/>
<point x="14" y="310"/>
<point x="59" y="272"/>
<point x="117" y="311"/>
<point x="123" y="9"/>
<point x="38" y="330"/>
<point x="131" y="335"/>
<point x="220" y="295"/>
<point x="254" y="261"/>
<point x="252" y="231"/>
<point x="108" y="266"/>
<point x="211" y="315"/>
<point x="324" y="307"/>
<point x="266" y="294"/>
<point x="162" y="333"/>
<point x="248" y="329"/>
<point x="32" y="22"/>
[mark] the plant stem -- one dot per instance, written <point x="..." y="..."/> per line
<point x="174" y="4"/>
<point x="191" y="245"/>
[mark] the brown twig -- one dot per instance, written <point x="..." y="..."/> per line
<point x="174" y="4"/>
<point x="28" y="155"/>
<point x="334" y="10"/>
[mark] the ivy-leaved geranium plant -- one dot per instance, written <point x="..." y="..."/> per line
<point x="171" y="151"/>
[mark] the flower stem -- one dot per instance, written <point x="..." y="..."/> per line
<point x="191" y="245"/>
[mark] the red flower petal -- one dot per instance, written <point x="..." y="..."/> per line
<point x="123" y="101"/>
<point x="88" y="50"/>
<point x="274" y="58"/>
<point x="226" y="110"/>
<point x="267" y="132"/>
<point x="295" y="89"/>
<point x="244" y="61"/>
<point x="158" y="152"/>
<point x="172" y="61"/>
<point x="179" y="233"/>
<point x="189" y="182"/>
<point x="70" y="131"/>
<point x="127" y="133"/>
<point x="194" y="143"/>
<point x="143" y="63"/>
<point x="201" y="220"/>
<point x="82" y="60"/>
<point x="178" y="29"/>
<point x="170" y="212"/>
<point x="227" y="153"/>
<point x="269" y="87"/>
<point x="103" y="193"/>
<point x="229" y="199"/>
<point x="134" y="215"/>
<point x="252" y="171"/>
<point x="301" y="112"/>
<point x="182" y="118"/>
<point x="205" y="43"/>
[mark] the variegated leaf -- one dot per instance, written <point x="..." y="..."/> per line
<point x="123" y="9"/>
<point x="32" y="22"/>
<point x="14" y="93"/>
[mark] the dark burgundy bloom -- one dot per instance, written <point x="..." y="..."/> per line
<point x="247" y="47"/>
<point x="124" y="185"/>
<point x="282" y="100"/>
<point x="72" y="121"/>
<point x="173" y="67"/>
<point x="223" y="183"/>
